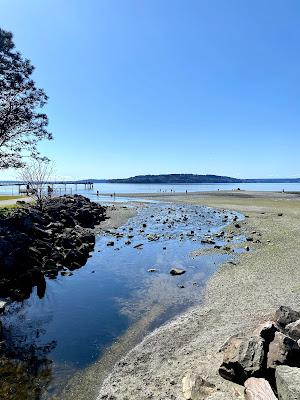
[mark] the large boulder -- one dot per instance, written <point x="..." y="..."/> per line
<point x="288" y="382"/>
<point x="293" y="329"/>
<point x="283" y="350"/>
<point x="258" y="389"/>
<point x="285" y="315"/>
<point x="267" y="331"/>
<point x="243" y="358"/>
<point x="194" y="387"/>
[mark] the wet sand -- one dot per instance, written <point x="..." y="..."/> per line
<point x="237" y="297"/>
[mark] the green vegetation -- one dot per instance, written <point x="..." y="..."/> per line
<point x="22" y="124"/>
<point x="2" y="198"/>
<point x="176" y="178"/>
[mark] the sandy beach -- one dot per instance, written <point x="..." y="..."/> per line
<point x="237" y="297"/>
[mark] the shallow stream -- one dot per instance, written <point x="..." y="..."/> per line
<point x="87" y="310"/>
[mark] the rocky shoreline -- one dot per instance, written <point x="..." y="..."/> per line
<point x="37" y="243"/>
<point x="55" y="241"/>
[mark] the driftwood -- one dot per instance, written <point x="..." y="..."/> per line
<point x="258" y="389"/>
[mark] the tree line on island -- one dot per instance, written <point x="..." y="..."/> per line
<point x="188" y="178"/>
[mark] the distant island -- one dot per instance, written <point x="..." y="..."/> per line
<point x="189" y="178"/>
<point x="176" y="178"/>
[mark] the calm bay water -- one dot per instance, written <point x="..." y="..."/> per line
<point x="80" y="315"/>
<point x="110" y="188"/>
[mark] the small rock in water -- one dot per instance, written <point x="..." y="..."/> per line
<point x="226" y="248"/>
<point x="66" y="273"/>
<point x="152" y="237"/>
<point x="177" y="271"/>
<point x="110" y="243"/>
<point x="247" y="248"/>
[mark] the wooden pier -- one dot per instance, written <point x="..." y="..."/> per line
<point x="22" y="186"/>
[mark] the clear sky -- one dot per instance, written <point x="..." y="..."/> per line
<point x="165" y="86"/>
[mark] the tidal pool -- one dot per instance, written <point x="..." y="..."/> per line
<point x="83" y="314"/>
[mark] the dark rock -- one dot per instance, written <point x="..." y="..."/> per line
<point x="45" y="241"/>
<point x="285" y="315"/>
<point x="293" y="329"/>
<point x="267" y="331"/>
<point x="208" y="241"/>
<point x="177" y="271"/>
<point x="283" y="350"/>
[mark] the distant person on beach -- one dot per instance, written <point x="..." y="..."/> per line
<point x="97" y="193"/>
<point x="186" y="192"/>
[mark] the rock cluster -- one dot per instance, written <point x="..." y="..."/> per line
<point x="35" y="243"/>
<point x="272" y="345"/>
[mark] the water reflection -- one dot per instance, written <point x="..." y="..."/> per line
<point x="67" y="323"/>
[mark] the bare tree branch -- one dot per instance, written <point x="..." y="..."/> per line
<point x="36" y="177"/>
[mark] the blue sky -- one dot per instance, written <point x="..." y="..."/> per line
<point x="165" y="86"/>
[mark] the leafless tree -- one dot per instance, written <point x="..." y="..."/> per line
<point x="36" y="176"/>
